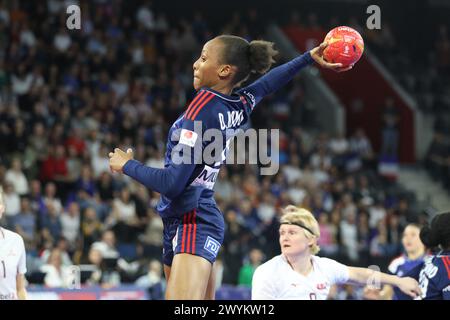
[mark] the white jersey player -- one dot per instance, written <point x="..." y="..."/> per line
<point x="12" y="262"/>
<point x="298" y="274"/>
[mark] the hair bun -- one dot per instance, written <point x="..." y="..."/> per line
<point x="261" y="56"/>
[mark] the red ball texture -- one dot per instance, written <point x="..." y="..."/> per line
<point x="345" y="45"/>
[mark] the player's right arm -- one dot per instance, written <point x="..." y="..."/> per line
<point x="363" y="276"/>
<point x="172" y="180"/>
<point x="387" y="291"/>
<point x="169" y="181"/>
<point x="21" y="270"/>
<point x="21" y="287"/>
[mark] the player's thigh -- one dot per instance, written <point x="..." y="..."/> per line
<point x="210" y="293"/>
<point x="189" y="277"/>
<point x="167" y="272"/>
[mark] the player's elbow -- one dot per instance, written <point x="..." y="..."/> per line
<point x="173" y="188"/>
<point x="173" y="183"/>
<point x="173" y="192"/>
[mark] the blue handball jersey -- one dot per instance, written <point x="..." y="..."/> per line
<point x="187" y="180"/>
<point x="402" y="266"/>
<point x="434" y="277"/>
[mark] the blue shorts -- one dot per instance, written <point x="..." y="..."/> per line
<point x="199" y="232"/>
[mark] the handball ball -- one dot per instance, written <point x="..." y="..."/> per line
<point x="345" y="45"/>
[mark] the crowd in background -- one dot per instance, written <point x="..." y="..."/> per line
<point x="67" y="98"/>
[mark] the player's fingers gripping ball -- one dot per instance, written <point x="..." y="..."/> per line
<point x="345" y="45"/>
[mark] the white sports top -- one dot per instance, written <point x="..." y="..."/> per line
<point x="12" y="263"/>
<point x="276" y="279"/>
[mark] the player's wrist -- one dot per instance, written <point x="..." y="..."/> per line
<point x="129" y="165"/>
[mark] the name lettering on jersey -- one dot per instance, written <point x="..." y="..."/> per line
<point x="212" y="245"/>
<point x="206" y="178"/>
<point x="234" y="119"/>
<point x="430" y="270"/>
<point x="211" y="146"/>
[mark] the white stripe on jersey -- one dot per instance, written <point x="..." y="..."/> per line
<point x="397" y="262"/>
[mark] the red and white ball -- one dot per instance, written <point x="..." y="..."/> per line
<point x="345" y="45"/>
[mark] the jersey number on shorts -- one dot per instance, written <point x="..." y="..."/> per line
<point x="312" y="296"/>
<point x="4" y="269"/>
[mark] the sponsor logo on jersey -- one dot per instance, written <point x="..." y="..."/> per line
<point x="322" y="286"/>
<point x="212" y="246"/>
<point x="188" y="137"/>
<point x="207" y="178"/>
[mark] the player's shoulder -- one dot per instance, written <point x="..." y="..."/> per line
<point x="396" y="263"/>
<point x="442" y="262"/>
<point x="247" y="97"/>
<point x="10" y="235"/>
<point x="324" y="261"/>
<point x="271" y="266"/>
<point x="205" y="104"/>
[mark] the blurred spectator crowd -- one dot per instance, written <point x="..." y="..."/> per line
<point x="67" y="98"/>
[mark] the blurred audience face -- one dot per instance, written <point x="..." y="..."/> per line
<point x="155" y="267"/>
<point x="74" y="209"/>
<point x="50" y="190"/>
<point x="411" y="240"/>
<point x="55" y="258"/>
<point x="90" y="214"/>
<point x="256" y="257"/>
<point x="109" y="238"/>
<point x="95" y="257"/>
<point x="35" y="187"/>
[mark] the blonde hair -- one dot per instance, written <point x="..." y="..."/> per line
<point x="2" y="197"/>
<point x="295" y="215"/>
<point x="2" y="202"/>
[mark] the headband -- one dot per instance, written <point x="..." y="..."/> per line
<point x="300" y="225"/>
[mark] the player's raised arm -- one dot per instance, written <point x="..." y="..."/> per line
<point x="281" y="75"/>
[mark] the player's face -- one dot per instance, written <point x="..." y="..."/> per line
<point x="293" y="240"/>
<point x="411" y="239"/>
<point x="206" y="68"/>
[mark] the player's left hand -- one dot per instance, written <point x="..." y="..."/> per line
<point x="409" y="286"/>
<point x="118" y="158"/>
<point x="317" y="55"/>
